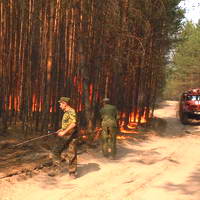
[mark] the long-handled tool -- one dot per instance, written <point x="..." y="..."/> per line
<point x="30" y="140"/>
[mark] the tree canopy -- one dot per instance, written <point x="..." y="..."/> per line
<point x="185" y="68"/>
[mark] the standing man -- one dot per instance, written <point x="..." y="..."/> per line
<point x="67" y="138"/>
<point x="109" y="116"/>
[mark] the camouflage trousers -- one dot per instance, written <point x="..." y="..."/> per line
<point x="66" y="149"/>
<point x="108" y="141"/>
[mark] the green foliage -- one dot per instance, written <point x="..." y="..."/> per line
<point x="185" y="71"/>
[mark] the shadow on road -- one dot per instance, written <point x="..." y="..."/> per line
<point x="84" y="169"/>
<point x="190" y="187"/>
<point x="174" y="128"/>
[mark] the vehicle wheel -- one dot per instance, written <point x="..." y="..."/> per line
<point x="184" y="118"/>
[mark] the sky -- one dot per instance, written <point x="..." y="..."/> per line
<point x="192" y="10"/>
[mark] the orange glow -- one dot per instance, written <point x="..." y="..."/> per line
<point x="123" y="137"/>
<point x="84" y="137"/>
<point x="80" y="107"/>
<point x="90" y="92"/>
<point x="132" y="124"/>
<point x="133" y="121"/>
<point x="16" y="103"/>
<point x="80" y="88"/>
<point x="120" y="137"/>
<point x="122" y="130"/>
<point x="10" y="102"/>
<point x="13" y="103"/>
<point x="51" y="109"/>
<point x="75" y="80"/>
<point x="40" y="106"/>
<point x="34" y="103"/>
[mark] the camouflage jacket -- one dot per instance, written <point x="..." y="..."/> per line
<point x="109" y="115"/>
<point x="68" y="118"/>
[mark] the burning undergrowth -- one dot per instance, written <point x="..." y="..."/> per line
<point x="28" y="158"/>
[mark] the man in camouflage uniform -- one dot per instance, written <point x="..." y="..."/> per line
<point x="67" y="138"/>
<point x="109" y="116"/>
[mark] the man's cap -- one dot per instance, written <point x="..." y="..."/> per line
<point x="64" y="99"/>
<point x="106" y="99"/>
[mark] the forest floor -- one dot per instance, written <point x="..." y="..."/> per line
<point x="159" y="165"/>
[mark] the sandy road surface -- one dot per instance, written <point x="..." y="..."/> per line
<point x="159" y="168"/>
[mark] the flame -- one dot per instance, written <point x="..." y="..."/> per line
<point x="13" y="103"/>
<point x="121" y="137"/>
<point x="37" y="102"/>
<point x="124" y="137"/>
<point x="84" y="137"/>
<point x="34" y="103"/>
<point x="80" y="107"/>
<point x="132" y="127"/>
<point x="38" y="106"/>
<point x="132" y="122"/>
<point x="90" y="92"/>
<point x="124" y="132"/>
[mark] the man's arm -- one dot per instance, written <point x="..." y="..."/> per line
<point x="64" y="132"/>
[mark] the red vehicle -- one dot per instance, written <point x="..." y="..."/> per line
<point x="189" y="106"/>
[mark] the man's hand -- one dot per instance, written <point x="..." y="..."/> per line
<point x="59" y="130"/>
<point x="61" y="133"/>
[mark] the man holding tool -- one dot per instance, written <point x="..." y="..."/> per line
<point x="67" y="139"/>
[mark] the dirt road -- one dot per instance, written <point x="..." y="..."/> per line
<point x="163" y="167"/>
